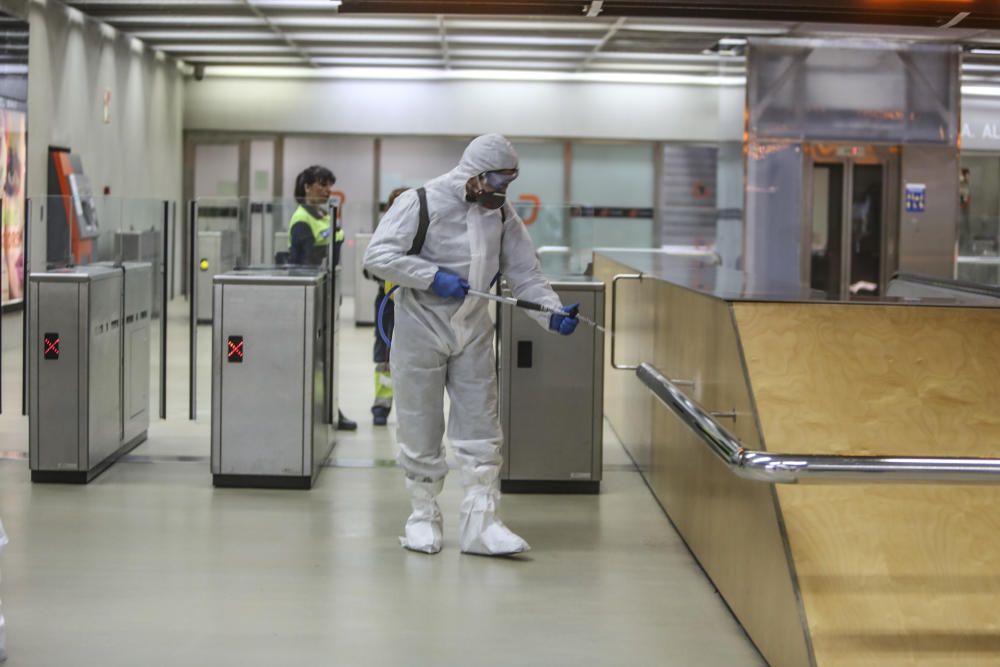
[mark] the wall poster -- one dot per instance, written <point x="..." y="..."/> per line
<point x="12" y="175"/>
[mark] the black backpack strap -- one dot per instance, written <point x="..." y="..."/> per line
<point x="425" y="222"/>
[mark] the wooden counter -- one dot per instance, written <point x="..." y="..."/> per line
<point x="847" y="574"/>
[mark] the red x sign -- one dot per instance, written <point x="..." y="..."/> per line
<point x="235" y="352"/>
<point x="50" y="346"/>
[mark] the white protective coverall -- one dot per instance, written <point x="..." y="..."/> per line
<point x="443" y="343"/>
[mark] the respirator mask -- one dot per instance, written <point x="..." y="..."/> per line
<point x="491" y="190"/>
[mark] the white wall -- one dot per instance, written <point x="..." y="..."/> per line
<point x="521" y="109"/>
<point x="217" y="171"/>
<point x="71" y="65"/>
<point x="456" y="108"/>
<point x="981" y="123"/>
<point x="408" y="160"/>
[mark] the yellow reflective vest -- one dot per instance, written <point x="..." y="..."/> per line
<point x="320" y="227"/>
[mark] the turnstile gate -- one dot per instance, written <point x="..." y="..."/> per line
<point x="365" y="289"/>
<point x="218" y="252"/>
<point x="552" y="398"/>
<point x="136" y="334"/>
<point x="88" y="368"/>
<point x="273" y="388"/>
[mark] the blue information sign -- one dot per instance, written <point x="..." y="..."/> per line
<point x="916" y="197"/>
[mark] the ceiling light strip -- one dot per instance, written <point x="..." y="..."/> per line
<point x="527" y="25"/>
<point x="180" y="20"/>
<point x="219" y="59"/>
<point x="718" y="29"/>
<point x="395" y="73"/>
<point x="515" y="53"/>
<point x="227" y="48"/>
<point x="522" y="40"/>
<point x="981" y="91"/>
<point x="670" y="57"/>
<point x="399" y="52"/>
<point x="297" y="4"/>
<point x="347" y="36"/>
<point x="490" y="66"/>
<point x="661" y="67"/>
<point x="155" y="36"/>
<point x="317" y="21"/>
<point x="383" y="62"/>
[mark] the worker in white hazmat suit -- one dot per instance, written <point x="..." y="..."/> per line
<point x="444" y="341"/>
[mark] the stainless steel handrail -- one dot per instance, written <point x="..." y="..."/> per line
<point x="553" y="250"/>
<point x="795" y="468"/>
<point x="710" y="256"/>
<point x="614" y="316"/>
<point x="963" y="286"/>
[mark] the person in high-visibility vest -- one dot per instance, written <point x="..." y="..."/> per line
<point x="311" y="230"/>
<point x="380" y="355"/>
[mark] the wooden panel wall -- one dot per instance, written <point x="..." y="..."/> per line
<point x="731" y="525"/>
<point x="627" y="403"/>
<point x="892" y="574"/>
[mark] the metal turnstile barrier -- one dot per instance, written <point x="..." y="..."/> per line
<point x="143" y="246"/>
<point x="365" y="289"/>
<point x="136" y="334"/>
<point x="551" y="398"/>
<point x="273" y="390"/>
<point x="88" y="361"/>
<point x="218" y="253"/>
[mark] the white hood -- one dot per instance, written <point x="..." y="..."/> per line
<point x="489" y="152"/>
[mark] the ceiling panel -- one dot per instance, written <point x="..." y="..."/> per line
<point x="696" y="37"/>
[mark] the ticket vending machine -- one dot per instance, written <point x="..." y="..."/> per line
<point x="70" y="214"/>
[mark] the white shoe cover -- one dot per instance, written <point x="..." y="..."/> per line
<point x="479" y="529"/>
<point x="423" y="527"/>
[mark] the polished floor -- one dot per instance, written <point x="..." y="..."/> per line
<point x="149" y="565"/>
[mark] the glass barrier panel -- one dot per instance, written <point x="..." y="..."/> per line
<point x="979" y="219"/>
<point x="237" y="232"/>
<point x="113" y="231"/>
<point x="240" y="232"/>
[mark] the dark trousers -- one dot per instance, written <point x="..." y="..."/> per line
<point x="381" y="351"/>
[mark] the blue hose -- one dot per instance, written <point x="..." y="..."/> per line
<point x="385" y="300"/>
<point x="381" y="312"/>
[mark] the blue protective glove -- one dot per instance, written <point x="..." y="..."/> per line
<point x="565" y="324"/>
<point x="449" y="286"/>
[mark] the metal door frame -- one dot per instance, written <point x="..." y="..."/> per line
<point x="887" y="156"/>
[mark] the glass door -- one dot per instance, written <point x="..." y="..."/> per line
<point x="866" y="232"/>
<point x="846" y="219"/>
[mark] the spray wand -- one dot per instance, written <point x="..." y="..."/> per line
<point x="509" y="300"/>
<point x="531" y="305"/>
